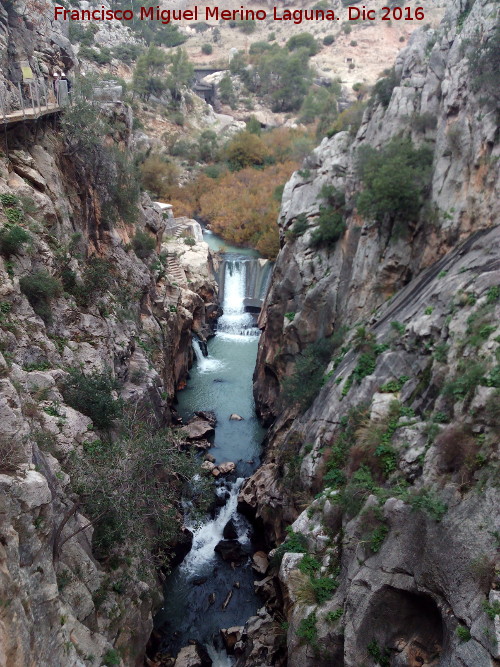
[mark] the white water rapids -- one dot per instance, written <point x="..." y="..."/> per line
<point x="235" y="320"/>
<point x="206" y="536"/>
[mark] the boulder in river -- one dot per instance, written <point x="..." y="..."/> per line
<point x="208" y="416"/>
<point x="197" y="429"/>
<point x="209" y="457"/>
<point x="260" y="562"/>
<point x="207" y="465"/>
<point x="202" y="444"/>
<point x="231" y="551"/>
<point x="230" y="636"/>
<point x="199" y="581"/>
<point x="193" y="656"/>
<point x="227" y="467"/>
<point x="235" y="417"/>
<point x="230" y="532"/>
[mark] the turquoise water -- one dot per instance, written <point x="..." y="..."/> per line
<point x="196" y="591"/>
<point x="224" y="385"/>
<point x="216" y="243"/>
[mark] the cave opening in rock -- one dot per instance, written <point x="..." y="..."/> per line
<point x="403" y="629"/>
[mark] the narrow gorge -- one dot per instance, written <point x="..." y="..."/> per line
<point x="211" y="455"/>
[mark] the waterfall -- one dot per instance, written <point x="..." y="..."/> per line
<point x="205" y="364"/>
<point x="207" y="535"/>
<point x="234" y="286"/>
<point x="206" y="592"/>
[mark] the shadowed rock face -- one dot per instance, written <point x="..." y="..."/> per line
<point x="408" y="624"/>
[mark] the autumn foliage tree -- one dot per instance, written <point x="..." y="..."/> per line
<point x="246" y="150"/>
<point x="242" y="209"/>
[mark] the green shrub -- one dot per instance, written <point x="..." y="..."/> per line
<point x="384" y="87"/>
<point x="207" y="49"/>
<point x="247" y="27"/>
<point x="296" y="544"/>
<point x="96" y="280"/>
<point x="427" y="502"/>
<point x="9" y="199"/>
<point x="190" y="241"/>
<point x="492" y="610"/>
<point x="92" y="395"/>
<point x="201" y="26"/>
<point x="307" y="378"/>
<point x="394" y="385"/>
<point x="380" y="656"/>
<point x="323" y="588"/>
<point x="143" y="244"/>
<point x="493" y="378"/>
<point x="423" y="122"/>
<point x="328" y="39"/>
<point x="303" y="40"/>
<point x="131" y="486"/>
<point x="12" y="238"/>
<point x="478" y="327"/>
<point x="111" y="658"/>
<point x="463" y="385"/>
<point x="80" y="34"/>
<point x="299" y="226"/>
<point x="377" y="537"/>
<point x="441" y="352"/>
<point x="226" y="90"/>
<point x="127" y="53"/>
<point x="396" y="179"/>
<point x="349" y="120"/>
<point x="308" y="631"/>
<point x="463" y="633"/>
<point x="14" y="215"/>
<point x="100" y="56"/>
<point x="493" y="294"/>
<point x="40" y="288"/>
<point x="309" y="565"/>
<point x="331" y="224"/>
<point x="483" y="64"/>
<point x="333" y="616"/>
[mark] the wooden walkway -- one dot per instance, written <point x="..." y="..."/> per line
<point x="32" y="113"/>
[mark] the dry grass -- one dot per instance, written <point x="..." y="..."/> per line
<point x="11" y="456"/>
<point x="457" y="448"/>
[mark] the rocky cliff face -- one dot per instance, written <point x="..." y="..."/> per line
<point x="434" y="104"/>
<point x="104" y="296"/>
<point x="400" y="445"/>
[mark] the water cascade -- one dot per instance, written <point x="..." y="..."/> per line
<point x="204" y="363"/>
<point x="196" y="592"/>
<point x="235" y="320"/>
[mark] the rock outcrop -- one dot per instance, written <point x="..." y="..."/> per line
<point x="399" y="446"/>
<point x="81" y="289"/>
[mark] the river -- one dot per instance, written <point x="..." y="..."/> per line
<point x="196" y="590"/>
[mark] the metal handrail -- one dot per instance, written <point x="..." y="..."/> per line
<point x="30" y="100"/>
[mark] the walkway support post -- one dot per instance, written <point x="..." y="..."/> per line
<point x="22" y="100"/>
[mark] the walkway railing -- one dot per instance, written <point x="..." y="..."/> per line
<point x="35" y="98"/>
<point x="31" y="100"/>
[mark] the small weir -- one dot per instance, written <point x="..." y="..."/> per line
<point x="206" y="593"/>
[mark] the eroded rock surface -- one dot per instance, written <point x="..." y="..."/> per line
<point x="386" y="476"/>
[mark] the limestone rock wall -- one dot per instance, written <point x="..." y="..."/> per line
<point x="328" y="288"/>
<point x="59" y="605"/>
<point x="402" y="523"/>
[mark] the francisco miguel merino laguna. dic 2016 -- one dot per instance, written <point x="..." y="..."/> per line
<point x="166" y="16"/>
